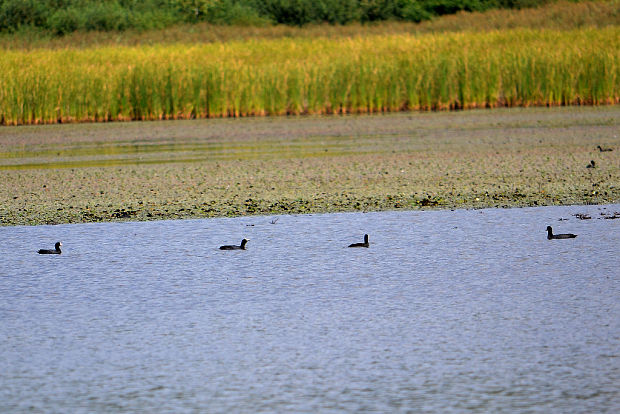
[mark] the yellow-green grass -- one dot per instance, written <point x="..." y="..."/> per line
<point x="228" y="167"/>
<point x="378" y="73"/>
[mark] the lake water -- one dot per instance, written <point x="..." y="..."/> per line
<point x="447" y="311"/>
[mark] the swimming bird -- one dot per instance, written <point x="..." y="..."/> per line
<point x="550" y="235"/>
<point x="591" y="165"/>
<point x="604" y="149"/>
<point x="55" y="251"/>
<point x="232" y="247"/>
<point x="365" y="244"/>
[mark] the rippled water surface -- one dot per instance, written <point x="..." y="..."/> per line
<point x="447" y="311"/>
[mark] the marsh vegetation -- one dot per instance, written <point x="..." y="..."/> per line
<point x="559" y="55"/>
<point x="353" y="70"/>
<point x="381" y="73"/>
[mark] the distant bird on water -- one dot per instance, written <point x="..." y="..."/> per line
<point x="604" y="149"/>
<point x="55" y="251"/>
<point x="232" y="247"/>
<point x="591" y="165"/>
<point x="365" y="244"/>
<point x="550" y="235"/>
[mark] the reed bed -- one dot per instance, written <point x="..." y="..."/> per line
<point x="381" y="73"/>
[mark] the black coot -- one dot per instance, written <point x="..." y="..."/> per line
<point x="550" y="235"/>
<point x="55" y="251"/>
<point x="365" y="244"/>
<point x="231" y="247"/>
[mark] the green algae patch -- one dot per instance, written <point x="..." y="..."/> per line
<point x="260" y="166"/>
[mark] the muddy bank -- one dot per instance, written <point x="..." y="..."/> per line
<point x="228" y="167"/>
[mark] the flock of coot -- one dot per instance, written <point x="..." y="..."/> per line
<point x="366" y="243"/>
<point x="550" y="234"/>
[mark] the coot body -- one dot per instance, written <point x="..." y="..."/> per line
<point x="365" y="244"/>
<point x="55" y="251"/>
<point x="233" y="247"/>
<point x="550" y="235"/>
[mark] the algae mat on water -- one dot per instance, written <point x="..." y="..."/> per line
<point x="225" y="167"/>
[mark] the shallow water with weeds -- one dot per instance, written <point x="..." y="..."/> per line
<point x="446" y="311"/>
<point x="205" y="168"/>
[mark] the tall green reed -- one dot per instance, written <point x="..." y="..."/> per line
<point x="299" y="76"/>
